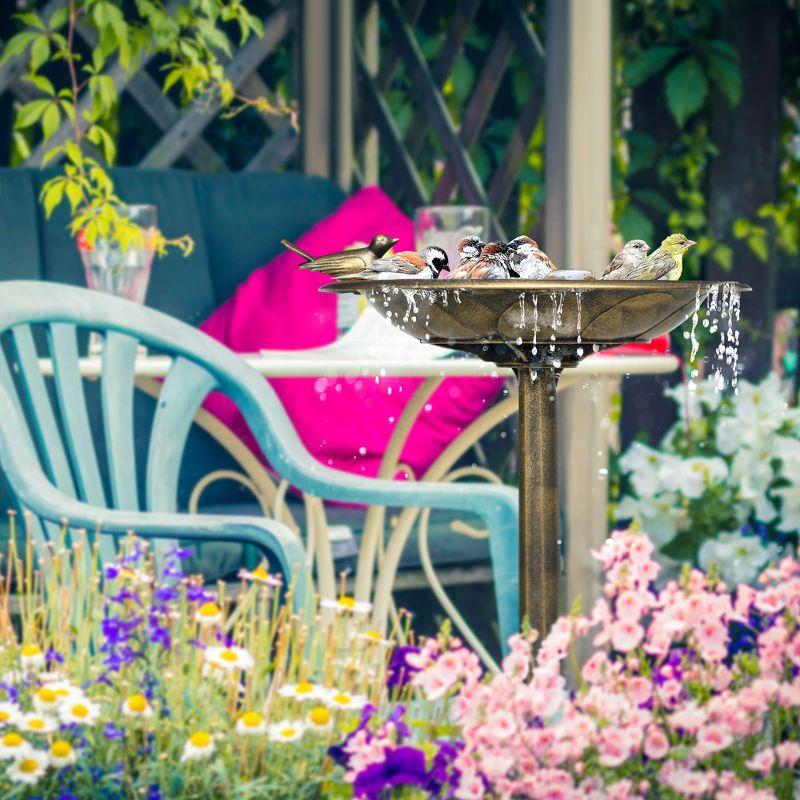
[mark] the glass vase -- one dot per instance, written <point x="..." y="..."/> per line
<point x="124" y="273"/>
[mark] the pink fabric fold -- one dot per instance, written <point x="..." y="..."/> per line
<point x="345" y="423"/>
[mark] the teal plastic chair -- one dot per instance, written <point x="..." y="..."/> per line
<point x="48" y="455"/>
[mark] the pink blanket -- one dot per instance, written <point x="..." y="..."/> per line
<point x="345" y="423"/>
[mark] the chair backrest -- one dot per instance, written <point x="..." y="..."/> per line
<point x="47" y="420"/>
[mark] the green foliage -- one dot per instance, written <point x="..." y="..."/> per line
<point x="77" y="112"/>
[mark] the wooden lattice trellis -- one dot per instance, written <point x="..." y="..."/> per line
<point x="350" y="56"/>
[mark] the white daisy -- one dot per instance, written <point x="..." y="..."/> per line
<point x="12" y="745"/>
<point x="208" y="614"/>
<point x="373" y="637"/>
<point x="9" y="714"/>
<point x="62" y="754"/>
<point x="37" y="723"/>
<point x="198" y="746"/>
<point x="260" y="575"/>
<point x="229" y="658"/>
<point x="345" y="603"/>
<point x="79" y="711"/>
<point x="287" y="730"/>
<point x="305" y="690"/>
<point x="31" y="657"/>
<point x="319" y="719"/>
<point x="46" y="700"/>
<point x="137" y="705"/>
<point x="343" y="700"/>
<point x="29" y="768"/>
<point x="251" y="723"/>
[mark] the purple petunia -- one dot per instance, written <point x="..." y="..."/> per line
<point x="400" y="671"/>
<point x="402" y="766"/>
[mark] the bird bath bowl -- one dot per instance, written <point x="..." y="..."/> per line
<point x="537" y="328"/>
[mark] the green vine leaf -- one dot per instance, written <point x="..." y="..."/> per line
<point x="648" y="63"/>
<point x="30" y="113"/>
<point x="727" y="77"/>
<point x="686" y="89"/>
<point x="17" y="44"/>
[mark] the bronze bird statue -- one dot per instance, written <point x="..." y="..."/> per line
<point x="631" y="256"/>
<point x="345" y="263"/>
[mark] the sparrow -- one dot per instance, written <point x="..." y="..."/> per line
<point x="345" y="262"/>
<point x="634" y="252"/>
<point x="491" y="264"/>
<point x="666" y="263"/>
<point x="424" y="265"/>
<point x="527" y="261"/>
<point x="469" y="248"/>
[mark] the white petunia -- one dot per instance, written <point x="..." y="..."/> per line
<point x="199" y="746"/>
<point x="738" y="557"/>
<point x="642" y="464"/>
<point x="286" y="730"/>
<point x="691" y="476"/>
<point x="29" y="768"/>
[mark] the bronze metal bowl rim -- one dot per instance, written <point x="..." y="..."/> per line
<point x="345" y="285"/>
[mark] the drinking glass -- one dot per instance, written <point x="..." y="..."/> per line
<point x="444" y="226"/>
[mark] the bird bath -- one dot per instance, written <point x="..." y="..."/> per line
<point x="537" y="328"/>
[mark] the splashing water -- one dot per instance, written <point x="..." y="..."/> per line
<point x="725" y="306"/>
<point x="557" y="299"/>
<point x="579" y="302"/>
<point x="522" y="309"/>
<point x="535" y="298"/>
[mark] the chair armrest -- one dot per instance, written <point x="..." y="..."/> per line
<point x="269" y="536"/>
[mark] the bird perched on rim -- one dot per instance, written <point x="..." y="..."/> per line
<point x="425" y="265"/>
<point x="469" y="248"/>
<point x="666" y="263"/>
<point x="527" y="261"/>
<point x="346" y="262"/>
<point x="491" y="264"/>
<point x="632" y="254"/>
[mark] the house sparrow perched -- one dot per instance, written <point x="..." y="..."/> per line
<point x="666" y="263"/>
<point x="527" y="261"/>
<point x="345" y="262"/>
<point x="469" y="248"/>
<point x="491" y="264"/>
<point x="425" y="265"/>
<point x="634" y="252"/>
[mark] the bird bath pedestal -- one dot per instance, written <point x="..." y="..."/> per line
<point x="537" y="328"/>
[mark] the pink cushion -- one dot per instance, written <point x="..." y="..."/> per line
<point x="345" y="423"/>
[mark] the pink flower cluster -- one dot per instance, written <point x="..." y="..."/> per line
<point x="661" y="708"/>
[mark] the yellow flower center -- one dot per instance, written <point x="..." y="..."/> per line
<point x="320" y="716"/>
<point x="79" y="710"/>
<point x="200" y="740"/>
<point x="137" y="703"/>
<point x="62" y="692"/>
<point x="252" y="719"/>
<point x="28" y="765"/>
<point x="209" y="610"/>
<point x="61" y="749"/>
<point x="347" y="602"/>
<point x="31" y="650"/>
<point x="288" y="733"/>
<point x="47" y="695"/>
<point x="12" y="740"/>
<point x="260" y="573"/>
<point x="374" y="635"/>
<point x="4" y="716"/>
<point x="304" y="687"/>
<point x="36" y="724"/>
<point x="342" y="699"/>
<point x="229" y="655"/>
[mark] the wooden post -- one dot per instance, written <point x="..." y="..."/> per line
<point x="578" y="199"/>
<point x="369" y="151"/>
<point x="316" y="88"/>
